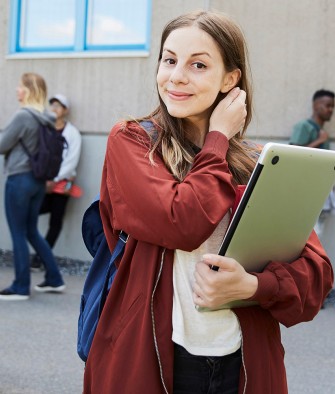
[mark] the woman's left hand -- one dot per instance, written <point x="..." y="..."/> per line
<point x="214" y="288"/>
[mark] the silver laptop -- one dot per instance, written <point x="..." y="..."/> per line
<point x="280" y="206"/>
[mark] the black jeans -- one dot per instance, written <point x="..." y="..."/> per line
<point x="205" y="375"/>
<point x="55" y="204"/>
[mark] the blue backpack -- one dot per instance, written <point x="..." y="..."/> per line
<point x="102" y="270"/>
<point x="99" y="277"/>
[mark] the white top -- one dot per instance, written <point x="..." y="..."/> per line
<point x="213" y="333"/>
<point x="71" y="153"/>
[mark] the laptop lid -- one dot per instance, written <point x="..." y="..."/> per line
<point x="280" y="206"/>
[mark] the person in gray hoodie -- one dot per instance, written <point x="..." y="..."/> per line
<point x="23" y="192"/>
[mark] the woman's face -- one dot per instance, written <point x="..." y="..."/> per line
<point x="20" y="93"/>
<point x="191" y="74"/>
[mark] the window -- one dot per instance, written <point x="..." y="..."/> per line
<point x="79" y="25"/>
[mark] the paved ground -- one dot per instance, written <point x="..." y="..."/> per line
<point x="38" y="345"/>
<point x="310" y="354"/>
<point x="38" y="340"/>
<point x="38" y="337"/>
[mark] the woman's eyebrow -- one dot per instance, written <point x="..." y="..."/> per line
<point x="192" y="55"/>
<point x="169" y="50"/>
<point x="201" y="53"/>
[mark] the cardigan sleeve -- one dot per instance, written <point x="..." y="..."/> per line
<point x="147" y="202"/>
<point x="294" y="292"/>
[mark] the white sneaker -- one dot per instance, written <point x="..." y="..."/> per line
<point x="45" y="288"/>
<point x="8" y="295"/>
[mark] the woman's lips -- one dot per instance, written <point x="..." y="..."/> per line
<point x="179" y="96"/>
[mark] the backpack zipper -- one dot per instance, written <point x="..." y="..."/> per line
<point x="154" y="324"/>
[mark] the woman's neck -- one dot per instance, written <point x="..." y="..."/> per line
<point x="196" y="132"/>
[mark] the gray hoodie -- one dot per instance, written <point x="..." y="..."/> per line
<point x="22" y="126"/>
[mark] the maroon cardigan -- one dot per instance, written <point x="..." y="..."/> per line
<point x="132" y="352"/>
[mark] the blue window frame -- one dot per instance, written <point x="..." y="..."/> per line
<point x="79" y="25"/>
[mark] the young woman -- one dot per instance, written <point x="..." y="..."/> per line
<point x="172" y="187"/>
<point x="23" y="192"/>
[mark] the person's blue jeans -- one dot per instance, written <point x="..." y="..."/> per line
<point x="23" y="198"/>
<point x="204" y="374"/>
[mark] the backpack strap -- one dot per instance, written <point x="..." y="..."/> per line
<point x="117" y="252"/>
<point x="24" y="146"/>
<point x="150" y="128"/>
<point x="92" y="230"/>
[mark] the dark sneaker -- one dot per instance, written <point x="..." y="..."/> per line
<point x="36" y="264"/>
<point x="8" y="295"/>
<point x="45" y="288"/>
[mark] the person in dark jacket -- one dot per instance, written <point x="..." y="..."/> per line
<point x="60" y="189"/>
<point x="174" y="196"/>
<point x="24" y="193"/>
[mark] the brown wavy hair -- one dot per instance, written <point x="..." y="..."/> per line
<point x="172" y="140"/>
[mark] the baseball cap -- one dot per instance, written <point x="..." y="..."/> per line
<point x="62" y="99"/>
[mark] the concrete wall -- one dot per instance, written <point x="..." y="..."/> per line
<point x="291" y="53"/>
<point x="291" y="57"/>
